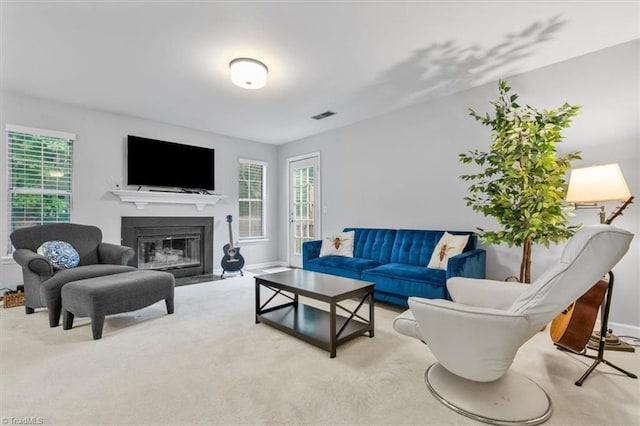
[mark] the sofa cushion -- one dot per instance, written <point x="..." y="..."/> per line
<point x="408" y="280"/>
<point x="51" y="287"/>
<point x="415" y="247"/>
<point x="375" y="244"/>
<point x="408" y="272"/>
<point x="350" y="267"/>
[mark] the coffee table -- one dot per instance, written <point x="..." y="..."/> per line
<point x="325" y="329"/>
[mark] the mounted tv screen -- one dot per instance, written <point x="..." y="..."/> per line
<point x="152" y="162"/>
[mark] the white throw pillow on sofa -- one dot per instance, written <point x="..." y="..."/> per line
<point x="448" y="246"/>
<point x="338" y="244"/>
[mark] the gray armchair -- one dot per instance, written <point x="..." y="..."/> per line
<point x="42" y="283"/>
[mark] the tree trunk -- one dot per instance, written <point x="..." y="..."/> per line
<point x="525" y="265"/>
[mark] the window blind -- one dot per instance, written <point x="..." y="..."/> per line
<point x="40" y="173"/>
<point x="252" y="199"/>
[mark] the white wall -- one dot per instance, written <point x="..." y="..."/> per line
<point x="401" y="169"/>
<point x="99" y="155"/>
<point x="397" y="170"/>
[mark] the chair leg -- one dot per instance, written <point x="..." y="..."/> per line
<point x="97" y="323"/>
<point x="54" y="316"/>
<point x="28" y="310"/>
<point x="67" y="320"/>
<point x="169" y="302"/>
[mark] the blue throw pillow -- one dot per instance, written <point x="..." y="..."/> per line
<point x="60" y="253"/>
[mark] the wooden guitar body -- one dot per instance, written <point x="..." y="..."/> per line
<point x="572" y="328"/>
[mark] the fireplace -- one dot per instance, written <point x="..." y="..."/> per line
<point x="174" y="251"/>
<point x="182" y="246"/>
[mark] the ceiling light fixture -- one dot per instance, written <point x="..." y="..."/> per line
<point x="248" y="73"/>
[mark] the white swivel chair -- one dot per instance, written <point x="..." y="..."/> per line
<point x="476" y="336"/>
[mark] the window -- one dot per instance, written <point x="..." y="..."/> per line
<point x="39" y="167"/>
<point x="253" y="177"/>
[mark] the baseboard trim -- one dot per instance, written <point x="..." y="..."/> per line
<point x="255" y="266"/>
<point x="267" y="265"/>
<point x="624" y="329"/>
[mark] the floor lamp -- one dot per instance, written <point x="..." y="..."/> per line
<point x="588" y="187"/>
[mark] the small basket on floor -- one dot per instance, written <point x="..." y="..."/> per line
<point x="11" y="300"/>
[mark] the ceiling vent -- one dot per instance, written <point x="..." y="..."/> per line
<point x="323" y="115"/>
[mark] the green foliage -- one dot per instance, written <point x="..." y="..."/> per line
<point x="522" y="182"/>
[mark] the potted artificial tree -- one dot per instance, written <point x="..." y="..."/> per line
<point x="522" y="182"/>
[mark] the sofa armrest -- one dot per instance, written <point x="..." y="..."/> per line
<point x="310" y="250"/>
<point x="470" y="264"/>
<point x="114" y="254"/>
<point x="33" y="262"/>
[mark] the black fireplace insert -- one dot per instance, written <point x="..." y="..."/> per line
<point x="182" y="246"/>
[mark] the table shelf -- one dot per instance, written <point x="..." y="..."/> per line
<point x="311" y="324"/>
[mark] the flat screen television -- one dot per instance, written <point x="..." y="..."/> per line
<point x="152" y="162"/>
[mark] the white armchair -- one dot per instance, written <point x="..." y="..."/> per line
<point x="476" y="336"/>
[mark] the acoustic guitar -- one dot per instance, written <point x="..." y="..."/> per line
<point x="619" y="211"/>
<point x="232" y="260"/>
<point x="572" y="328"/>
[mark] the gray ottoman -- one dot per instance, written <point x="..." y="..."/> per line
<point x="113" y="294"/>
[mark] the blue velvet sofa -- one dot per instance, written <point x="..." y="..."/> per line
<point x="396" y="261"/>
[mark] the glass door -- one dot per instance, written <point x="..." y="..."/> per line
<point x="303" y="203"/>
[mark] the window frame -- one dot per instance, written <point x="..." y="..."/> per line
<point x="10" y="190"/>
<point x="264" y="166"/>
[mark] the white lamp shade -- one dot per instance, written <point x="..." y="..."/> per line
<point x="597" y="183"/>
<point x="248" y="73"/>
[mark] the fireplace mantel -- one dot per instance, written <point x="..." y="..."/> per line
<point x="142" y="198"/>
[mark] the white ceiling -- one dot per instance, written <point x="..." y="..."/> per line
<point x="168" y="60"/>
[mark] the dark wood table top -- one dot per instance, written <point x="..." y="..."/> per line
<point x="315" y="284"/>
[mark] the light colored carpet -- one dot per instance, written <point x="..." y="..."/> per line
<point x="209" y="363"/>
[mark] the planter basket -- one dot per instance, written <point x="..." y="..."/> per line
<point x="12" y="300"/>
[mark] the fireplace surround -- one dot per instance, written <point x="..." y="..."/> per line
<point x="182" y="246"/>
